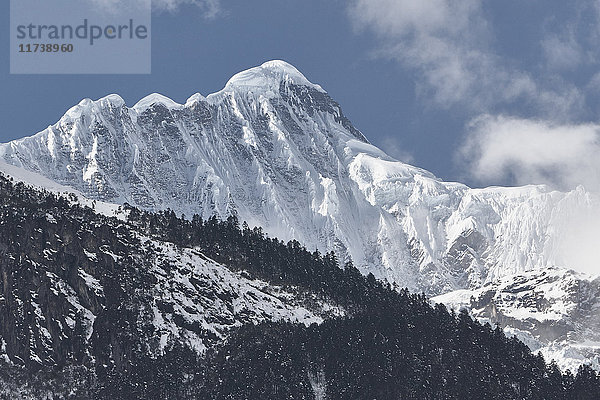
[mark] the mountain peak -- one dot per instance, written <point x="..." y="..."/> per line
<point x="87" y="104"/>
<point x="268" y="76"/>
<point x="155" y="98"/>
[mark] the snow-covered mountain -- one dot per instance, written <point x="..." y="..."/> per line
<point x="276" y="150"/>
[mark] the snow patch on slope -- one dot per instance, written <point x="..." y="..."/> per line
<point x="38" y="181"/>
<point x="197" y="298"/>
<point x="553" y="311"/>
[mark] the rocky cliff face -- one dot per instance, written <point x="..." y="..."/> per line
<point x="80" y="287"/>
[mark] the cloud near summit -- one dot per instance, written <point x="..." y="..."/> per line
<point x="533" y="151"/>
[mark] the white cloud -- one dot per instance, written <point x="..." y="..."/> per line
<point x="562" y="52"/>
<point x="401" y="17"/>
<point x="449" y="45"/>
<point x="210" y="8"/>
<point x="499" y="148"/>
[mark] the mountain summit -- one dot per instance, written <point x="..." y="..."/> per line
<point x="269" y="76"/>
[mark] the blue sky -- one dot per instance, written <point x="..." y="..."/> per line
<point x="483" y="92"/>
